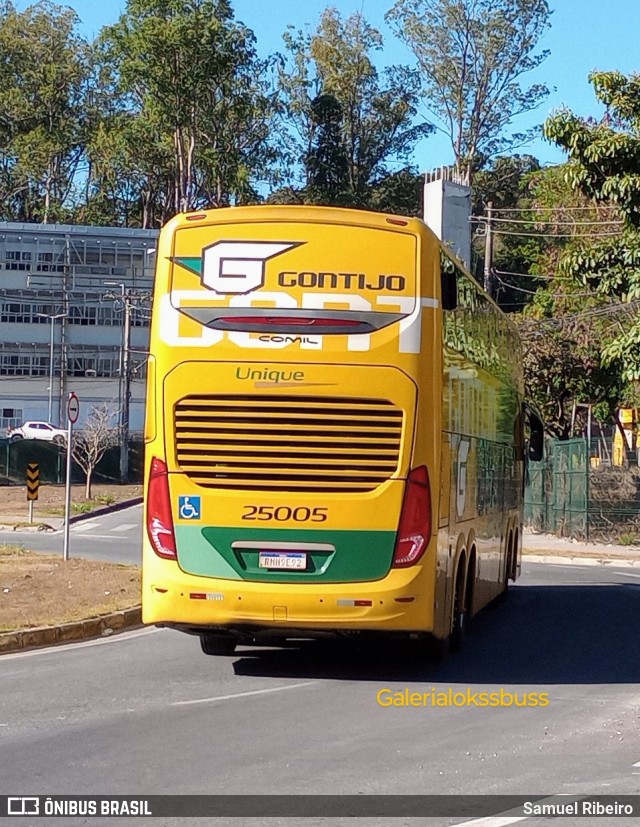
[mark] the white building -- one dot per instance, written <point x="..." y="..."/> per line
<point x="84" y="276"/>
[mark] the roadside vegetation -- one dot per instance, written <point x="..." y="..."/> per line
<point x="44" y="590"/>
<point x="172" y="108"/>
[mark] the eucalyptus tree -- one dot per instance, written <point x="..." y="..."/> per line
<point x="192" y="112"/>
<point x="375" y="127"/>
<point x="472" y="56"/>
<point x="44" y="78"/>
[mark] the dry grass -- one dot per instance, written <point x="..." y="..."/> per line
<point x="44" y="590"/>
<point x="50" y="502"/>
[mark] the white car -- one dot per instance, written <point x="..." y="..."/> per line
<point x="37" y="430"/>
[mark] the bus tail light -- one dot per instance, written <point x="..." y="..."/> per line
<point x="415" y="520"/>
<point x="159" y="519"/>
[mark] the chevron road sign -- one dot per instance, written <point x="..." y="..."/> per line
<point x="33" y="480"/>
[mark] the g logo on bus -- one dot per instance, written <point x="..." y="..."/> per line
<point x="239" y="266"/>
<point x="235" y="267"/>
<point x="461" y="485"/>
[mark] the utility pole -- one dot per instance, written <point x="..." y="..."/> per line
<point x="64" y="333"/>
<point x="126" y="396"/>
<point x="124" y="381"/>
<point x="52" y="318"/>
<point x="488" y="251"/>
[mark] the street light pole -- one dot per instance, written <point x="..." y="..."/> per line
<point x="52" y="317"/>
<point x="124" y="383"/>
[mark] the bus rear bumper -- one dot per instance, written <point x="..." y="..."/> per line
<point x="401" y="601"/>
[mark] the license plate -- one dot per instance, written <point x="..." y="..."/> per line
<point x="282" y="560"/>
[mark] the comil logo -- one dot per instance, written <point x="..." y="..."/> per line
<point x="235" y="266"/>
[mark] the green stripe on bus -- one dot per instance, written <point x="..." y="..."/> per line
<point x="356" y="556"/>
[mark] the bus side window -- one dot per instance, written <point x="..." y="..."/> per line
<point x="449" y="286"/>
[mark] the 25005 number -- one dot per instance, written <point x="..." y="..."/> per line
<point x="283" y="513"/>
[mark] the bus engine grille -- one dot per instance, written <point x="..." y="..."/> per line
<point x="293" y="443"/>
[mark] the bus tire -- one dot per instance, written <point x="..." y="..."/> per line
<point x="460" y="617"/>
<point x="507" y="569"/>
<point x="436" y="649"/>
<point x="217" y="644"/>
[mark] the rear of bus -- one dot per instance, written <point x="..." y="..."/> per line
<point x="293" y="425"/>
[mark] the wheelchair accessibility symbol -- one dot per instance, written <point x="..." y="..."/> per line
<point x="189" y="508"/>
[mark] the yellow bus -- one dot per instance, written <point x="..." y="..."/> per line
<point x="334" y="431"/>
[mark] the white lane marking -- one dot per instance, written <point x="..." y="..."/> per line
<point x="629" y="574"/>
<point x="492" y="821"/>
<point x="637" y="764"/>
<point x="126" y="526"/>
<point x="66" y="647"/>
<point x="101" y="537"/>
<point x="85" y="526"/>
<point x="243" y="694"/>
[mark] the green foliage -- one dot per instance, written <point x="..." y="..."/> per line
<point x="604" y="165"/>
<point x="562" y="366"/>
<point x="399" y="192"/>
<point x="188" y="111"/>
<point x="81" y="508"/>
<point x="472" y="55"/>
<point x="502" y="183"/>
<point x="44" y="74"/>
<point x="568" y="325"/>
<point x="375" y="125"/>
<point x="327" y="162"/>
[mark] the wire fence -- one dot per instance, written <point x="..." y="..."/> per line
<point x="572" y="496"/>
<point x="51" y="459"/>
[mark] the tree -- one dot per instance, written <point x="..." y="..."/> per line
<point x="90" y="444"/>
<point x="562" y="367"/>
<point x="516" y="246"/>
<point x="44" y="73"/>
<point x="567" y="326"/>
<point x="190" y="114"/>
<point x="399" y="192"/>
<point x="376" y="110"/>
<point x="472" y="55"/>
<point x="327" y="162"/>
<point x="604" y="165"/>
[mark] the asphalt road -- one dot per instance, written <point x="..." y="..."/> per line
<point x="147" y="713"/>
<point x="115" y="537"/>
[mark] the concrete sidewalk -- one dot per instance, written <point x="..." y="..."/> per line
<point x="548" y="548"/>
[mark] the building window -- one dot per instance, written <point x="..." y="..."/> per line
<point x="83" y="314"/>
<point x="18" y="260"/>
<point x="11" y="418"/>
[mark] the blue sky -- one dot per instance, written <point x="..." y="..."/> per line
<point x="584" y="35"/>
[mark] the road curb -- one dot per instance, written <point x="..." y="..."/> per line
<point x="100" y="626"/>
<point x="41" y="525"/>
<point x="108" y="509"/>
<point x="580" y="560"/>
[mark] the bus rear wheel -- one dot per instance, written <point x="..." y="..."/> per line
<point x="212" y="644"/>
<point x="459" y="626"/>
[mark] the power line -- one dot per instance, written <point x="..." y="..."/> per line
<point x="624" y="307"/>
<point x="533" y="292"/>
<point x="534" y="276"/>
<point x="594" y="207"/>
<point x="586" y="236"/>
<point x="485" y="219"/>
